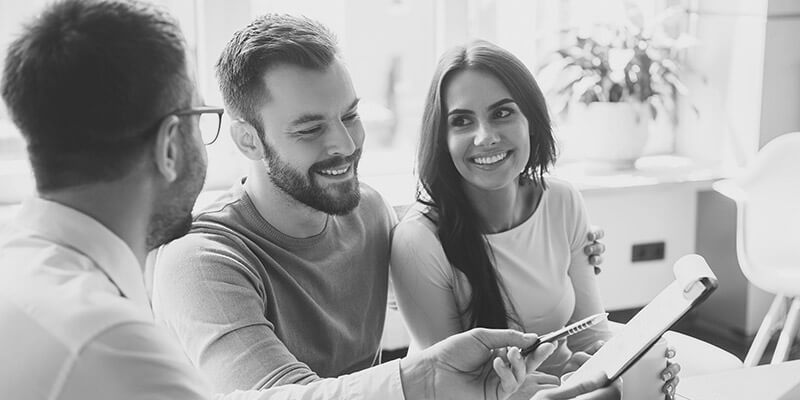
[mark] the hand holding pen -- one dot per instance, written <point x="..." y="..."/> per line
<point x="567" y="331"/>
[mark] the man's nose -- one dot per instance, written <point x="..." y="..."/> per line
<point x="340" y="141"/>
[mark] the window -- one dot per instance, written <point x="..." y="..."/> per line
<point x="391" y="48"/>
<point x="390" y="51"/>
<point x="16" y="179"/>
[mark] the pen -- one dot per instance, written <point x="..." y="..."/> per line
<point x="568" y="330"/>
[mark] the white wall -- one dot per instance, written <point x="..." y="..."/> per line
<point x="641" y="215"/>
<point x="759" y="70"/>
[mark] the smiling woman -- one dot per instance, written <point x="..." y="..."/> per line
<point x="492" y="241"/>
<point x="487" y="133"/>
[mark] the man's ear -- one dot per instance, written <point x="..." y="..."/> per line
<point x="246" y="138"/>
<point x="167" y="148"/>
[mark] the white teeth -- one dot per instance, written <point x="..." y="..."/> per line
<point x="491" y="159"/>
<point x="335" y="172"/>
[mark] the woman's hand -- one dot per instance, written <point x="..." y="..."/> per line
<point x="670" y="374"/>
<point x="518" y="376"/>
<point x="595" y="249"/>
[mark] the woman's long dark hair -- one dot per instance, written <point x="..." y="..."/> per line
<point x="459" y="227"/>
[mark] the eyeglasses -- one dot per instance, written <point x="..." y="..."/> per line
<point x="209" y="123"/>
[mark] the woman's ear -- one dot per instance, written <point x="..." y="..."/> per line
<point x="167" y="148"/>
<point x="247" y="140"/>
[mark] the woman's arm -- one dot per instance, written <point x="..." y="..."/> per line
<point x="423" y="284"/>
<point x="584" y="280"/>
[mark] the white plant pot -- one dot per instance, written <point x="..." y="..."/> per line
<point x="611" y="133"/>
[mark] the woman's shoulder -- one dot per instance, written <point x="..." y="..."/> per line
<point x="416" y="249"/>
<point x="416" y="223"/>
<point x="560" y="187"/>
<point x="563" y="195"/>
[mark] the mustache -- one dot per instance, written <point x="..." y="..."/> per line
<point x="337" y="161"/>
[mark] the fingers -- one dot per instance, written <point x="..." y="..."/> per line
<point x="544" y="380"/>
<point x="671" y="371"/>
<point x="669" y="387"/>
<point x="570" y="391"/>
<point x="594" y="347"/>
<point x="510" y="368"/>
<point x="575" y="362"/>
<point x="507" y="381"/>
<point x="670" y="353"/>
<point x="594" y="249"/>
<point x="536" y="382"/>
<point x="579" y="358"/>
<point x="595" y="233"/>
<point x="535" y="359"/>
<point x="498" y="338"/>
<point x="670" y="375"/>
<point x="517" y="364"/>
<point x="509" y="378"/>
<point x="595" y="260"/>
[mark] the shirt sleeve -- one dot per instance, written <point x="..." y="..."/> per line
<point x="380" y="382"/>
<point x="584" y="281"/>
<point x="205" y="293"/>
<point x="422" y="280"/>
<point x="135" y="361"/>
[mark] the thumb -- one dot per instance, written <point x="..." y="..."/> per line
<point x="497" y="338"/>
<point x="535" y="359"/>
<point x="568" y="392"/>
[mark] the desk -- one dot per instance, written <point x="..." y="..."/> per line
<point x="765" y="382"/>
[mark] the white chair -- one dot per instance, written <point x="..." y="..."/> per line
<point x="767" y="196"/>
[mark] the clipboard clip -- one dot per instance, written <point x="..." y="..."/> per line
<point x="689" y="290"/>
<point x="693" y="276"/>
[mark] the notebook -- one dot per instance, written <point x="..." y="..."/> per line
<point x="694" y="282"/>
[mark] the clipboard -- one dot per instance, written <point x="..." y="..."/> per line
<point x="694" y="282"/>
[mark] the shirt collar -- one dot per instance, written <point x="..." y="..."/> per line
<point x="69" y="227"/>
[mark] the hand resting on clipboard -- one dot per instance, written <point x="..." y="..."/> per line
<point x="694" y="282"/>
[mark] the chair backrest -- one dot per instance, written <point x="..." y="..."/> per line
<point x="768" y="229"/>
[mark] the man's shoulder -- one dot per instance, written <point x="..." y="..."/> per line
<point x="370" y="196"/>
<point x="220" y="208"/>
<point x="373" y="206"/>
<point x="68" y="315"/>
<point x="219" y="220"/>
<point x="206" y="240"/>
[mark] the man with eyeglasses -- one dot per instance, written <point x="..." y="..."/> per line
<point x="103" y="96"/>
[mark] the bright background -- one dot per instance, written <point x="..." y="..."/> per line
<point x="391" y="47"/>
<point x="744" y="82"/>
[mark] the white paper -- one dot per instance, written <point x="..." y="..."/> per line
<point x="650" y="323"/>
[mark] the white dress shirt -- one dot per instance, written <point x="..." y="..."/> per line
<point x="76" y="323"/>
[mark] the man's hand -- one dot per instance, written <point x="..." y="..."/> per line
<point x="595" y="249"/>
<point x="461" y="366"/>
<point x="593" y="389"/>
<point x="579" y="357"/>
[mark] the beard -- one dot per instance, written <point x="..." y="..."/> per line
<point x="173" y="216"/>
<point x="337" y="199"/>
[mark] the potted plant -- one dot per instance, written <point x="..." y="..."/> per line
<point x="609" y="83"/>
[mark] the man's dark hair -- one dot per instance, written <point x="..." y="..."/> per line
<point x="268" y="41"/>
<point x="87" y="83"/>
